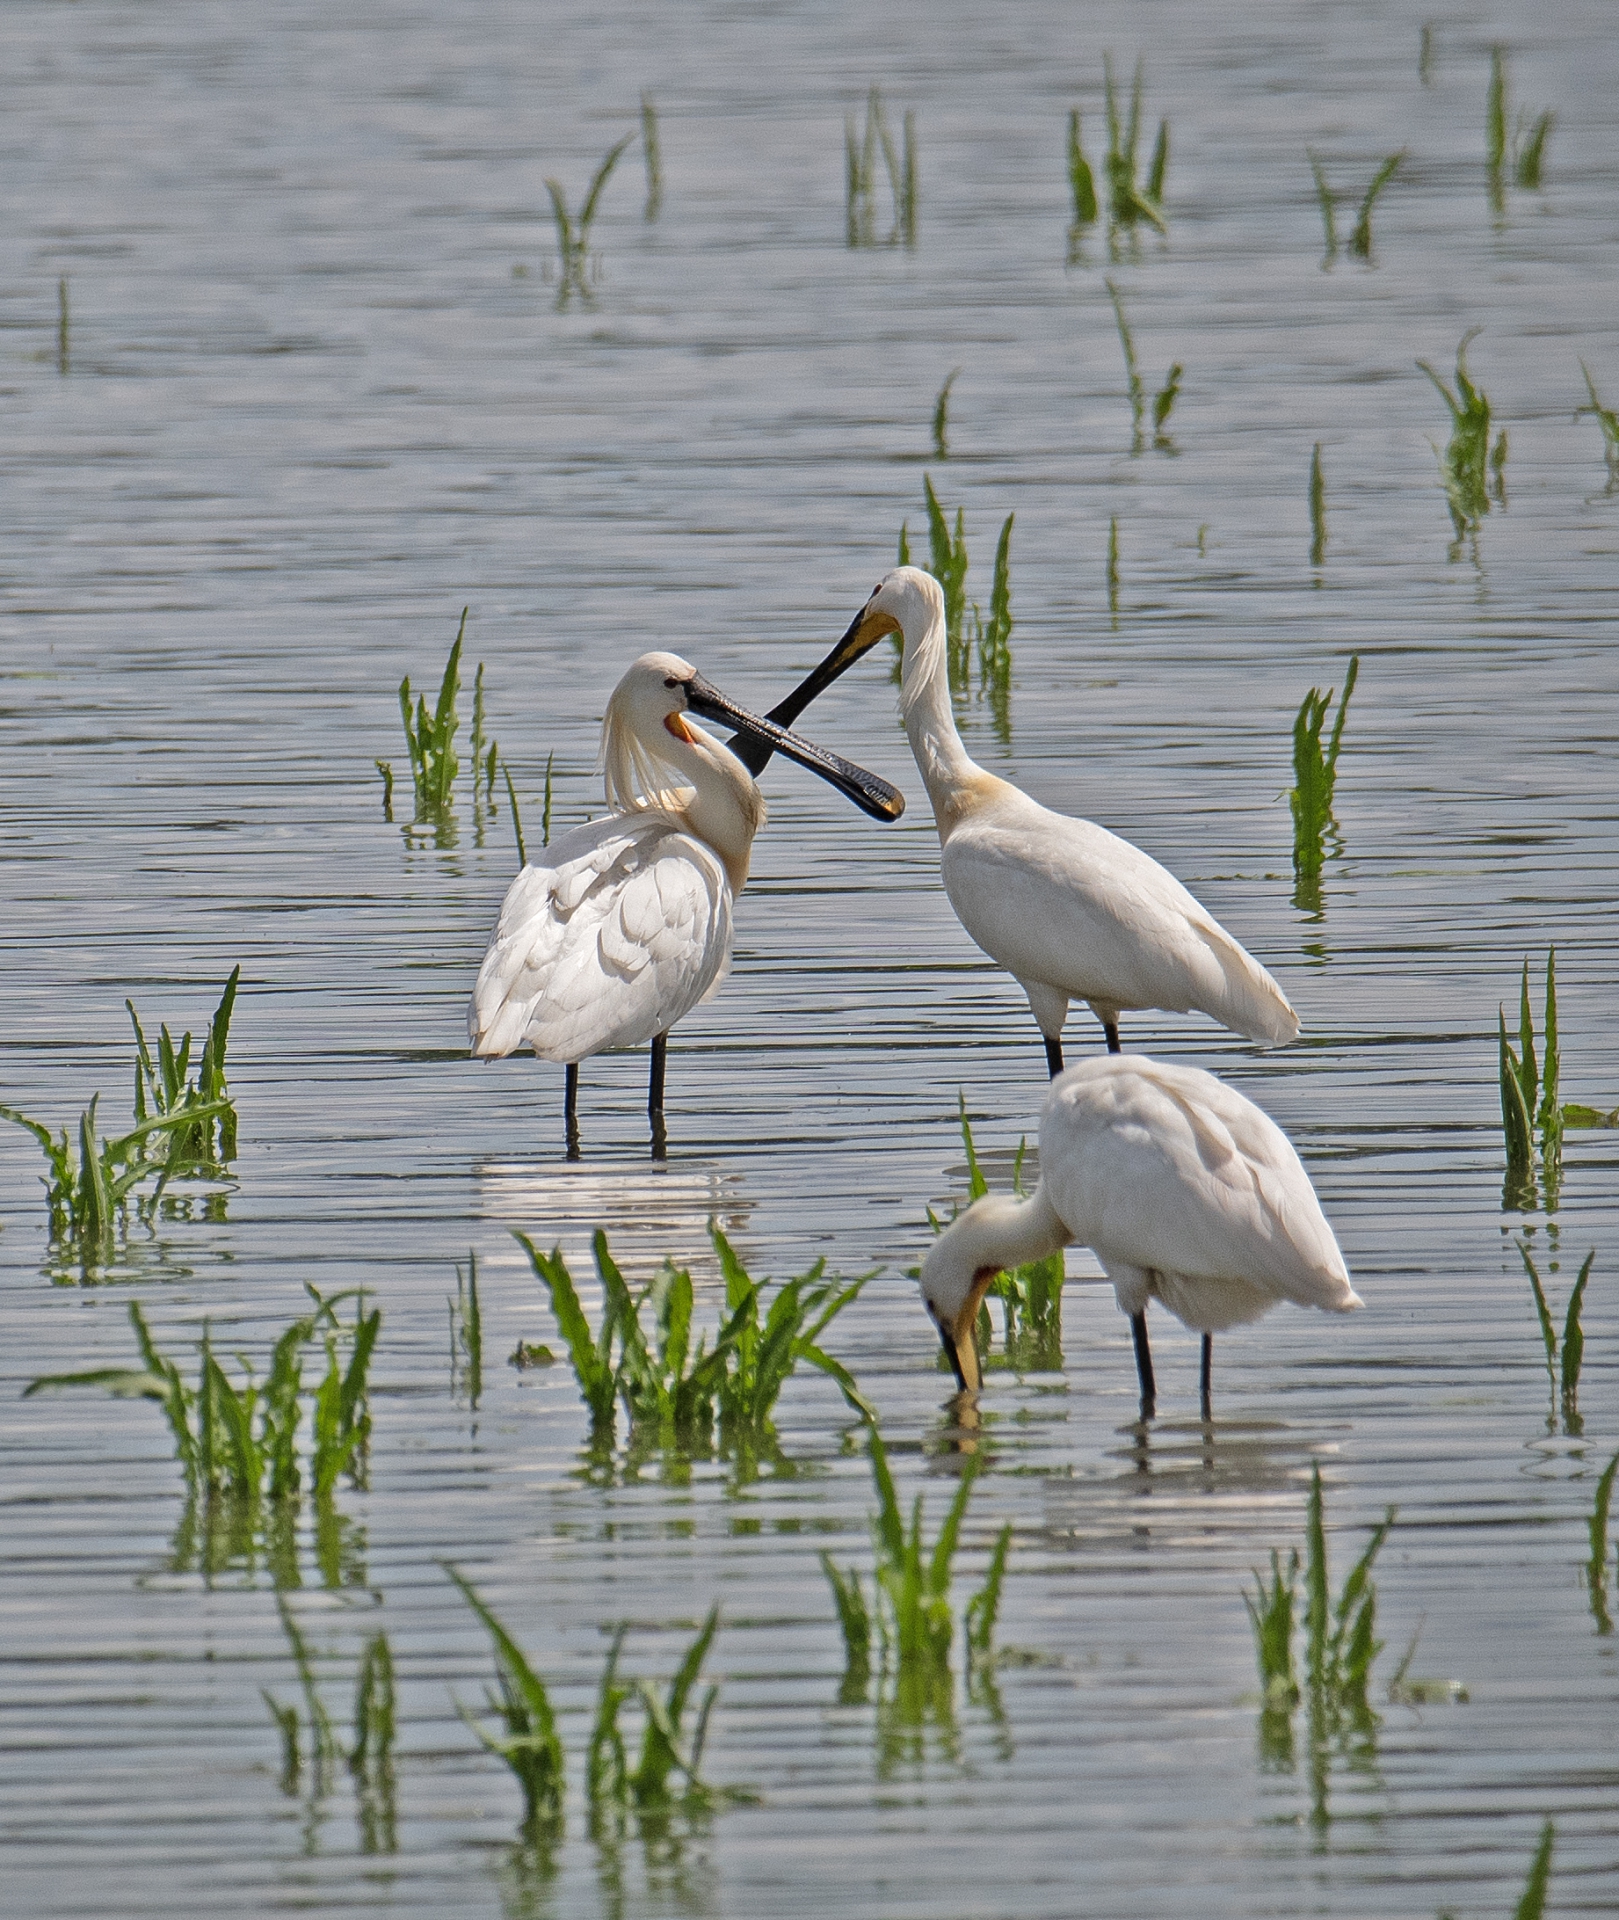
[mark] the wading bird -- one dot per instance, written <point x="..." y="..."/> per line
<point x="626" y="925"/>
<point x="1071" y="910"/>
<point x="1185" y="1191"/>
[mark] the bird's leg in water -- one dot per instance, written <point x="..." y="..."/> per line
<point x="1206" y="1379"/>
<point x="1110" y="1031"/>
<point x="570" y="1107"/>
<point x="654" y="1098"/>
<point x="1149" y="1392"/>
<point x="1053" y="1054"/>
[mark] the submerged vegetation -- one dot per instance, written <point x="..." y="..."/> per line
<point x="941" y="416"/>
<point x="677" y="1396"/>
<point x="1163" y="403"/>
<point x="185" y="1127"/>
<point x="1469" y="460"/>
<point x="573" y="232"/>
<point x="1514" y="150"/>
<point x="1318" y="510"/>
<point x="1563" y="1356"/>
<point x="1596" y="1568"/>
<point x="911" y="1609"/>
<point x="652" y="153"/>
<point x="1533" y="1117"/>
<point x="369" y="1756"/>
<point x="1315" y="779"/>
<point x="968" y="636"/>
<point x="861" y="149"/>
<point x="1607" y="418"/>
<point x="668" y="1771"/>
<point x="1359" y="244"/>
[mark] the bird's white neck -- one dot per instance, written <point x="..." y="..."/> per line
<point x="995" y="1233"/>
<point x="719" y="803"/>
<point x="949" y="773"/>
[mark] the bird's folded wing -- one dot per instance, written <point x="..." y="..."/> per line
<point x="612" y="944"/>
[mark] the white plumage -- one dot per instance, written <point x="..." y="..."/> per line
<point x="1186" y="1192"/>
<point x="1073" y="911"/>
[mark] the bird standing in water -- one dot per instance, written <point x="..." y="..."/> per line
<point x="1185" y="1191"/>
<point x="1072" y="911"/>
<point x="626" y="926"/>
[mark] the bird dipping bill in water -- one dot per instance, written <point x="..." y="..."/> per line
<point x="625" y="925"/>
<point x="1185" y="1191"/>
<point x="1071" y="910"/>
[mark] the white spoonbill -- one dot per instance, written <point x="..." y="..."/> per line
<point x="1185" y="1191"/>
<point x="1071" y="910"/>
<point x="626" y="925"/>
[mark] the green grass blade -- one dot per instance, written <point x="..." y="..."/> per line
<point x="1573" y="1348"/>
<point x="1548" y="1333"/>
<point x="596" y="1382"/>
<point x="944" y="1548"/>
<point x="1081" y="181"/>
<point x="1323" y="195"/>
<point x="604" y="173"/>
<point x="1532" y="1905"/>
<point x="1360" y="241"/>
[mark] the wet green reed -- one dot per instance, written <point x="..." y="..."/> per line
<point x="89" y="1181"/>
<point x="1315" y="778"/>
<point x="1607" y="418"/>
<point x="861" y="149"/>
<point x="1564" y="1356"/>
<point x="652" y="153"/>
<point x="1359" y="244"/>
<point x="1532" y="1115"/>
<point x="941" y="416"/>
<point x="1318" y="510"/>
<point x="1113" y="571"/>
<point x="911" y="1607"/>
<point x="674" y="1730"/>
<point x="1081" y="182"/>
<point x="1131" y="199"/>
<point x="1468" y="461"/>
<point x="1163" y="401"/>
<point x="1596" y="1568"/>
<point x="64" y="328"/>
<point x="674" y="1392"/>
<point x="241" y="1439"/>
<point x="573" y="232"/>
<point x="969" y="638"/>
<point x="369" y="1756"/>
<point x="466" y="1334"/>
<point x="1515" y="148"/>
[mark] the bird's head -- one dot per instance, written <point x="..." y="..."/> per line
<point x="648" y="728"/>
<point x="954" y="1280"/>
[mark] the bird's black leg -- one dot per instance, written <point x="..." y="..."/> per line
<point x="570" y="1107"/>
<point x="1110" y="1031"/>
<point x="654" y="1097"/>
<point x="1149" y="1391"/>
<point x="1053" y="1054"/>
<point x="1206" y="1379"/>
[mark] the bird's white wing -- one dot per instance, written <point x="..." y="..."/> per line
<point x="1166" y="1168"/>
<point x="1064" y="903"/>
<point x="626" y="929"/>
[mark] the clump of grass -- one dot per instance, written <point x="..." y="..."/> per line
<point x="573" y="234"/>
<point x="1315" y="776"/>
<point x="430" y="736"/>
<point x="1468" y="460"/>
<point x="1318" y="510"/>
<point x="1163" y="402"/>
<point x="184" y="1124"/>
<point x="652" y="153"/>
<point x="369" y="1758"/>
<point x="1030" y="1295"/>
<point x="241" y="1440"/>
<point x="967" y="634"/>
<point x="1081" y="184"/>
<point x="1132" y="200"/>
<point x="466" y="1334"/>
<point x="164" y="1090"/>
<point x="911" y="1602"/>
<point x="1564" y="1356"/>
<point x="941" y="416"/>
<point x="1520" y="152"/>
<point x="673" y="1391"/>
<point x="1340" y="1648"/>
<point x="1596" y="1574"/>
<point x="861" y="149"/>
<point x="667" y="1772"/>
<point x="1359" y="245"/>
<point x="1531" y="1112"/>
<point x="1607" y="418"/>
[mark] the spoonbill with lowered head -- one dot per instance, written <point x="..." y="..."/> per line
<point x="1071" y="910"/>
<point x="1185" y="1191"/>
<point x="626" y="924"/>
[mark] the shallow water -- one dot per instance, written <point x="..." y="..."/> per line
<point x="309" y="412"/>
